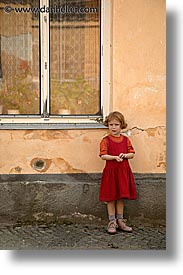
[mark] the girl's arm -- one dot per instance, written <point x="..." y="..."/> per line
<point x="110" y="157"/>
<point x="127" y="155"/>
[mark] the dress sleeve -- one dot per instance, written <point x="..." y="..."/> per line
<point x="130" y="147"/>
<point x="103" y="147"/>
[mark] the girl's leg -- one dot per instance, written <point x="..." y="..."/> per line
<point x="111" y="210"/>
<point x="111" y="229"/>
<point x="119" y="209"/>
<point x="121" y="223"/>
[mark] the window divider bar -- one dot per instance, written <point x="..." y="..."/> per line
<point x="106" y="56"/>
<point x="45" y="71"/>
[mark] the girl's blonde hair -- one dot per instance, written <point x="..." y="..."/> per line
<point x="118" y="116"/>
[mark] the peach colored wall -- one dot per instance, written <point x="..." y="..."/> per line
<point x="66" y="151"/>
<point x="139" y="77"/>
<point x="139" y="70"/>
<point x="138" y="90"/>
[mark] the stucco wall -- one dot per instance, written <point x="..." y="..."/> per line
<point x="138" y="91"/>
<point x="65" y="151"/>
<point x="139" y="77"/>
<point x="139" y="70"/>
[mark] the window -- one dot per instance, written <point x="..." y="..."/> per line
<point x="51" y="59"/>
<point x="20" y="75"/>
<point x="75" y="59"/>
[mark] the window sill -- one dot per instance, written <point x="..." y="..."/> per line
<point x="20" y="123"/>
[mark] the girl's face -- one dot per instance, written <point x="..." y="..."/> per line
<point x="114" y="127"/>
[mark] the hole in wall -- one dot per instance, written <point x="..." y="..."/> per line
<point x="40" y="165"/>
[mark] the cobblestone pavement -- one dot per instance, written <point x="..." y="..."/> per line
<point x="74" y="236"/>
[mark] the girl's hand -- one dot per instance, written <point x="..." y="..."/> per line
<point x="122" y="155"/>
<point x="126" y="156"/>
<point x="119" y="159"/>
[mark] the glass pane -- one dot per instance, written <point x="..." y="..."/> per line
<point x="19" y="59"/>
<point x="75" y="57"/>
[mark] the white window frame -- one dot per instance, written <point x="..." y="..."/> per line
<point x="44" y="45"/>
<point x="106" y="56"/>
<point x="70" y="121"/>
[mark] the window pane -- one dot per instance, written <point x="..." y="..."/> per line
<point x="75" y="57"/>
<point x="19" y="59"/>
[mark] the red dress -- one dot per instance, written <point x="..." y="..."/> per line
<point x="117" y="179"/>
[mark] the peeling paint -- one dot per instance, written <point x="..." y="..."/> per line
<point x="64" y="166"/>
<point x="86" y="139"/>
<point x="150" y="131"/>
<point x="46" y="135"/>
<point x="16" y="170"/>
<point x="162" y="163"/>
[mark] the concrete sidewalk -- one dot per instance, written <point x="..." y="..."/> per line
<point x="78" y="236"/>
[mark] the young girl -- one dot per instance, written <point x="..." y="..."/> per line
<point x="117" y="181"/>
